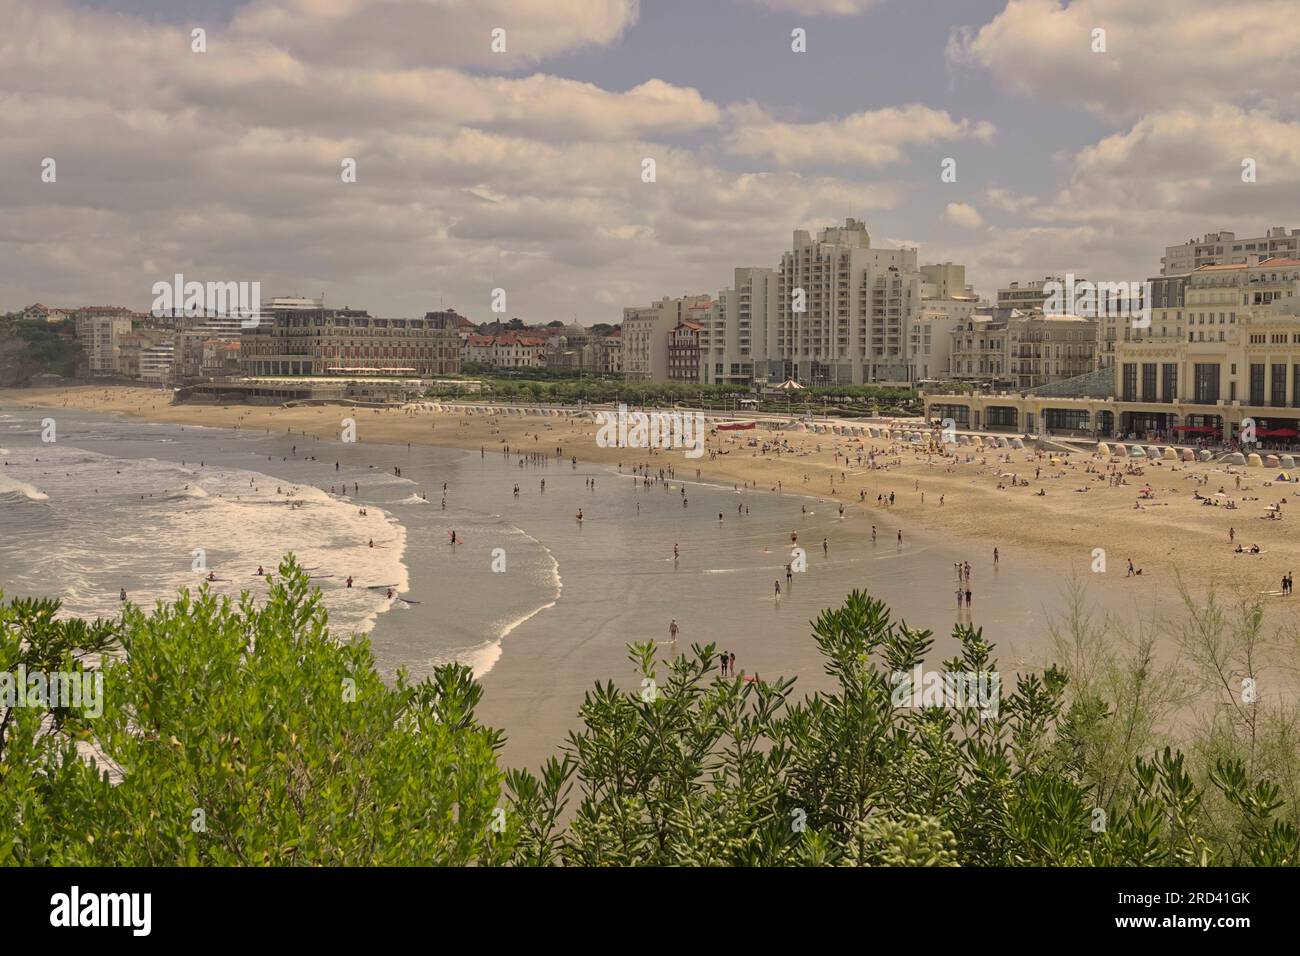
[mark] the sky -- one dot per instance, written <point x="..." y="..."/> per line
<point x="523" y="170"/>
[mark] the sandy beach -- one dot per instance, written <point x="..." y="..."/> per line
<point x="966" y="499"/>
<point x="966" y="503"/>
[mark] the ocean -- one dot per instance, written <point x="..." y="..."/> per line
<point x="538" y="603"/>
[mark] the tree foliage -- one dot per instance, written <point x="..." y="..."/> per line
<point x="234" y="733"/>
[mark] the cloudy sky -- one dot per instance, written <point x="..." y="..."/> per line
<point x="523" y="170"/>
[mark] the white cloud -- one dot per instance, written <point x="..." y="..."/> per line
<point x="872" y="138"/>
<point x="1159" y="53"/>
<point x="963" y="214"/>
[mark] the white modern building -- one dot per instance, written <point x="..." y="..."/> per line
<point x="739" y="337"/>
<point x="846" y="310"/>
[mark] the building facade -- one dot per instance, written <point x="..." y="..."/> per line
<point x="1230" y="354"/>
<point x="317" y="341"/>
<point x="846" y="310"/>
<point x="645" y="334"/>
<point x="684" y="353"/>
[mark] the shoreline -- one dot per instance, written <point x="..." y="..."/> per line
<point x="534" y="694"/>
<point x="1168" y="537"/>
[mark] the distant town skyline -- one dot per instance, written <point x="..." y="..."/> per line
<point x="523" y="170"/>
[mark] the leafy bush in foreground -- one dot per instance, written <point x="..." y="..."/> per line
<point x="238" y="734"/>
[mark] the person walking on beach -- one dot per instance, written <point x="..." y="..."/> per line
<point x="672" y="630"/>
<point x="825" y="548"/>
<point x="1232" y="533"/>
<point x="1131" y="572"/>
<point x="731" y="664"/>
<point x="873" y="533"/>
<point x="789" y="575"/>
<point x="722" y="659"/>
<point x="968" y="597"/>
<point x="995" y="557"/>
<point x="777" y="585"/>
<point x="900" y="537"/>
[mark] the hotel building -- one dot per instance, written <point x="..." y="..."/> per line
<point x="307" y="339"/>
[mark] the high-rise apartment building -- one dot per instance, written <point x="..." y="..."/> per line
<point x="845" y="309"/>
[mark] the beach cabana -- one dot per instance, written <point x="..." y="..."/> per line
<point x="1205" y="455"/>
<point x="1121" y="450"/>
<point x="1286" y="461"/>
<point x="1152" y="451"/>
<point x="1103" y="449"/>
<point x="963" y="439"/>
<point x="1017" y="443"/>
<point x="1189" y="455"/>
<point x="1003" y="443"/>
<point x="1236" y="458"/>
<point x="1254" y="461"/>
<point x="1169" y="455"/>
<point x="1271" y="461"/>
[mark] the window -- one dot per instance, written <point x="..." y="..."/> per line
<point x="1169" y="393"/>
<point x="1148" y="381"/>
<point x="1206" y="382"/>
<point x="1257" y="383"/>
